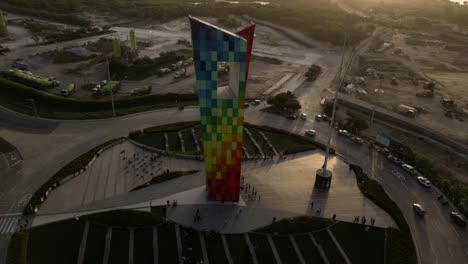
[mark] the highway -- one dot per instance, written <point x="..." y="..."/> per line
<point x="48" y="145"/>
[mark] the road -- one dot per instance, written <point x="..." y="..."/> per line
<point x="47" y="146"/>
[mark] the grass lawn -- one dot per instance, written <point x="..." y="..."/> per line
<point x="215" y="248"/>
<point x="262" y="248"/>
<point x="191" y="245"/>
<point x="308" y="250"/>
<point x="190" y="147"/>
<point x="155" y="140"/>
<point x="174" y="142"/>
<point x="164" y="177"/>
<point x="296" y="225"/>
<point x="285" y="250"/>
<point x="289" y="144"/>
<point x="331" y="251"/>
<point x="119" y="246"/>
<point x="143" y="246"/>
<point x="95" y="244"/>
<point x="55" y="243"/>
<point x="262" y="143"/>
<point x="167" y="244"/>
<point x="249" y="145"/>
<point x="239" y="250"/>
<point x="359" y="245"/>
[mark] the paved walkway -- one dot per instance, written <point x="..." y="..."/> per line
<point x="283" y="188"/>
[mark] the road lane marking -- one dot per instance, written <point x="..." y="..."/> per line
<point x="450" y="251"/>
<point x="404" y="185"/>
<point x="458" y="235"/>
<point x="466" y="251"/>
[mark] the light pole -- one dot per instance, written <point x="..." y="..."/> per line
<point x="112" y="88"/>
<point x="323" y="176"/>
<point x="33" y="106"/>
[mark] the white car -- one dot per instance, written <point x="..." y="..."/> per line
<point x="419" y="209"/>
<point x="344" y="133"/>
<point x="409" y="169"/>
<point x="424" y="181"/>
<point x="311" y="132"/>
<point x="303" y="116"/>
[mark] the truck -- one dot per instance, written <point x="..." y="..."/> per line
<point x="188" y="62"/>
<point x="69" y="90"/>
<point x="223" y="68"/>
<point x="142" y="90"/>
<point x="28" y="78"/>
<point x="406" y="110"/>
<point x="164" y="71"/>
<point x="177" y="65"/>
<point x="107" y="88"/>
<point x="180" y="73"/>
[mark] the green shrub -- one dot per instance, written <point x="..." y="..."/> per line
<point x="400" y="247"/>
<point x="171" y="127"/>
<point x="18" y="248"/>
<point x="14" y="95"/>
<point x="285" y="102"/>
<point x="374" y="191"/>
<point x="313" y="72"/>
<point x="165" y="176"/>
<point x="134" y="134"/>
<point x="296" y="225"/>
<point x="71" y="168"/>
<point x="124" y="218"/>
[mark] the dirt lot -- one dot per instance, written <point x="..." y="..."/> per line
<point x="277" y="57"/>
<point x="415" y="59"/>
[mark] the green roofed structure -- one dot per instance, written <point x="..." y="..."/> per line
<point x="3" y="26"/>
<point x="116" y="51"/>
<point x="133" y="42"/>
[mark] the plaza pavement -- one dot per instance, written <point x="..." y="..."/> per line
<point x="284" y="189"/>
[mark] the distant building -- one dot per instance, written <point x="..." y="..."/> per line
<point x="221" y="108"/>
<point x="116" y="49"/>
<point x="3" y="26"/>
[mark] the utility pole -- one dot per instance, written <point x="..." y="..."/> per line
<point x="379" y="91"/>
<point x="111" y="91"/>
<point x="33" y="106"/>
<point x="339" y="84"/>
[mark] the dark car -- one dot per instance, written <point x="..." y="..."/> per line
<point x="291" y="117"/>
<point x="325" y="117"/>
<point x="458" y="218"/>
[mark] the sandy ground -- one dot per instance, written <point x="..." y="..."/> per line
<point x="263" y="80"/>
<point x="419" y="57"/>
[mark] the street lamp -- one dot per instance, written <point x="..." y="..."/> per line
<point x="112" y="90"/>
<point x="323" y="176"/>
<point x="33" y="106"/>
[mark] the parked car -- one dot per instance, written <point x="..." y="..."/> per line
<point x="357" y="140"/>
<point x="325" y="117"/>
<point x="311" y="132"/>
<point x="344" y="133"/>
<point x="257" y="102"/>
<point x="458" y="218"/>
<point x="394" y="159"/>
<point x="291" y="117"/>
<point x="69" y="90"/>
<point x="419" y="209"/>
<point x="424" y="181"/>
<point x="303" y="116"/>
<point x="246" y="105"/>
<point x="409" y="169"/>
<point x="318" y="117"/>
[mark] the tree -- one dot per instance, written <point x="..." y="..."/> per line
<point x="313" y="72"/>
<point x="285" y="102"/>
<point x="356" y="122"/>
<point x="327" y="108"/>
